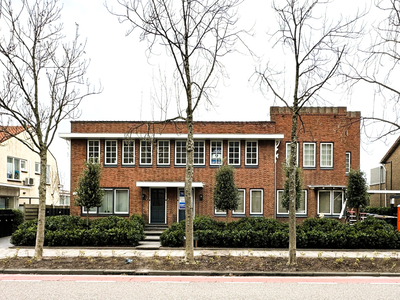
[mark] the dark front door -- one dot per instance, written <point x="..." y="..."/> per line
<point x="158" y="206"/>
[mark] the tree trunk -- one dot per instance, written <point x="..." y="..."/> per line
<point x="292" y="189"/>
<point x="42" y="205"/>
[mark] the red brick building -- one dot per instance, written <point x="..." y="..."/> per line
<point x="144" y="174"/>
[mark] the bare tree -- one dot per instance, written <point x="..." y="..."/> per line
<point x="196" y="34"/>
<point x="317" y="47"/>
<point x="41" y="79"/>
<point x="378" y="64"/>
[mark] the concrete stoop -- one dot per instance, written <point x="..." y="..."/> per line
<point x="152" y="240"/>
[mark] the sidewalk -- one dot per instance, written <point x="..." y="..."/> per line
<point x="8" y="250"/>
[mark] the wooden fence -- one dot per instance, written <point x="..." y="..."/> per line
<point x="31" y="211"/>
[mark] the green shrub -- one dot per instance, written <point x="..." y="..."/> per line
<point x="18" y="219"/>
<point x="73" y="231"/>
<point x="377" y="210"/>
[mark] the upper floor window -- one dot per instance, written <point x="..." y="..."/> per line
<point x="24" y="165"/>
<point x="302" y="209"/>
<point x="241" y="209"/>
<point x="146" y="150"/>
<point x="288" y="153"/>
<point x="326" y="155"/>
<point x="199" y="153"/>
<point x="308" y="155"/>
<point x="93" y="151"/>
<point x="163" y="152"/>
<point x="348" y="162"/>
<point x="180" y="152"/>
<point x="216" y="153"/>
<point x="251" y="152"/>
<point x="128" y="152"/>
<point x="234" y="153"/>
<point x="13" y="168"/>
<point x="111" y="153"/>
<point x="48" y="174"/>
<point x="37" y="167"/>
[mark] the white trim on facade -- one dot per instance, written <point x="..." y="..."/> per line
<point x="166" y="184"/>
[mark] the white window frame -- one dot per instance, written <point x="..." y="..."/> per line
<point x="93" y="158"/>
<point x="331" y="202"/>
<point x="25" y="168"/>
<point x="348" y="162"/>
<point x="321" y="156"/>
<point x="179" y="150"/>
<point x="244" y="204"/>
<point x="203" y="159"/>
<point x="247" y="153"/>
<point x="280" y="192"/>
<point x="112" y="204"/>
<point x="165" y="160"/>
<point x="145" y="163"/>
<point x="115" y="202"/>
<point x="230" y="152"/>
<point x="109" y="151"/>
<point x="37" y="167"/>
<point x="216" y="158"/>
<point x="13" y="168"/>
<point x="95" y="210"/>
<point x="305" y="165"/>
<point x="128" y="147"/>
<point x="251" y="201"/>
<point x="219" y="212"/>
<point x="92" y="211"/>
<point x="287" y="153"/>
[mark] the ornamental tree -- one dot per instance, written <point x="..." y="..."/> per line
<point x="226" y="195"/>
<point x="357" y="195"/>
<point x="88" y="191"/>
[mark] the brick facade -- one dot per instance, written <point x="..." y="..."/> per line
<point x="335" y="126"/>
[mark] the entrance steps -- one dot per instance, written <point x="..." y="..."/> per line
<point x="152" y="239"/>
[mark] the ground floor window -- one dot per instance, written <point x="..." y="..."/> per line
<point x="302" y="209"/>
<point x="115" y="201"/>
<point x="330" y="202"/>
<point x="256" y="201"/>
<point x="241" y="209"/>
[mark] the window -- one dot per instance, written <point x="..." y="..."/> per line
<point x="128" y="152"/>
<point x="13" y="168"/>
<point x="288" y="153"/>
<point x="251" y="153"/>
<point x="199" y="153"/>
<point x="241" y="209"/>
<point x="326" y="155"/>
<point x="115" y="201"/>
<point x="65" y="200"/>
<point x="180" y="152"/>
<point x="163" y="152"/>
<point x="308" y="155"/>
<point x="146" y="149"/>
<point x="330" y="202"/>
<point x="48" y="174"/>
<point x="24" y="165"/>
<point x="93" y="151"/>
<point x="220" y="212"/>
<point x="234" y="153"/>
<point x="216" y="153"/>
<point x="111" y="153"/>
<point x="37" y="167"/>
<point x="300" y="210"/>
<point x="348" y="162"/>
<point x="256" y="201"/>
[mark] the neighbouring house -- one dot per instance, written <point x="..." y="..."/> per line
<point x="20" y="172"/>
<point x="143" y="172"/>
<point x="384" y="180"/>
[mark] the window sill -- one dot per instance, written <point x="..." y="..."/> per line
<point x="145" y="166"/>
<point x="163" y="166"/>
<point x="287" y="215"/>
<point x="256" y="215"/>
<point x="309" y="168"/>
<point x="251" y="166"/>
<point x="111" y="166"/>
<point x="238" y="215"/>
<point x="128" y="166"/>
<point x="326" y="168"/>
<point x="14" y="180"/>
<point x="179" y="166"/>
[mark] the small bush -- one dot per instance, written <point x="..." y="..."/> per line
<point x="18" y="219"/>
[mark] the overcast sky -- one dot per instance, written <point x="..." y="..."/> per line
<point x="129" y="79"/>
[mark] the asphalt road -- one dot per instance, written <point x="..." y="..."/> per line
<point x="136" y="287"/>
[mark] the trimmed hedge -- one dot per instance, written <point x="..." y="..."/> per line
<point x="377" y="210"/>
<point x="73" y="231"/>
<point x="269" y="233"/>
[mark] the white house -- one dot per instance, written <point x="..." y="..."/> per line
<point x="20" y="172"/>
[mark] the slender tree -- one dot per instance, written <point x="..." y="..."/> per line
<point x="195" y="34"/>
<point x="41" y="79"/>
<point x="88" y="191"/>
<point x="357" y="195"/>
<point x="317" y="46"/>
<point x="226" y="195"/>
